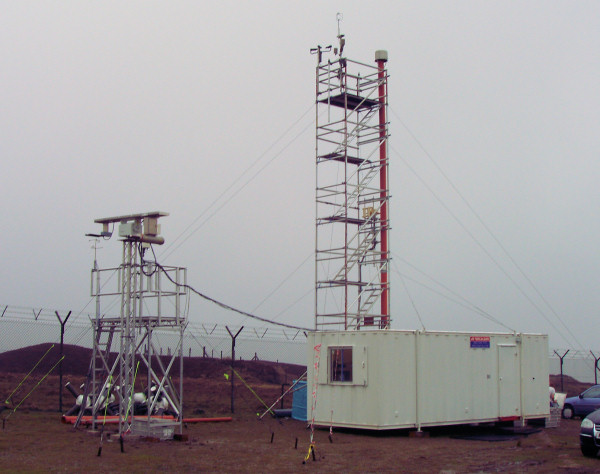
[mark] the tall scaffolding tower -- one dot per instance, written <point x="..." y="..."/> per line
<point x="352" y="195"/>
<point x="150" y="299"/>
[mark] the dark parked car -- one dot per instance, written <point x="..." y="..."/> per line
<point x="589" y="436"/>
<point x="582" y="405"/>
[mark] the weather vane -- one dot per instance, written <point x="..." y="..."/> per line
<point x="95" y="241"/>
<point x="339" y="17"/>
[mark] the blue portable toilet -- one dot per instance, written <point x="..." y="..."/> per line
<point x="299" y="402"/>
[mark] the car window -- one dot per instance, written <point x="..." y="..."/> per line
<point x="593" y="392"/>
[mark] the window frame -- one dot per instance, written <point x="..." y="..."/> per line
<point x="341" y="367"/>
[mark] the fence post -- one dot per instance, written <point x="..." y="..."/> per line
<point x="60" y="368"/>
<point x="233" y="338"/>
<point x="596" y="368"/>
<point x="561" y="368"/>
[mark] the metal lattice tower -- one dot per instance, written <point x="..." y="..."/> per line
<point x="150" y="299"/>
<point x="352" y="253"/>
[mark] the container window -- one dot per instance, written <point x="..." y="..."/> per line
<point x="341" y="364"/>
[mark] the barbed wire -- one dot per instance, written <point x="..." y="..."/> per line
<point x="22" y="327"/>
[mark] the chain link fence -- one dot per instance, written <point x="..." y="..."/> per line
<point x="24" y="326"/>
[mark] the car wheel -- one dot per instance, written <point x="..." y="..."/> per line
<point x="567" y="412"/>
<point x="589" y="451"/>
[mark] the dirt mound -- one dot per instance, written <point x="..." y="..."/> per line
<point x="41" y="358"/>
<point x="570" y="385"/>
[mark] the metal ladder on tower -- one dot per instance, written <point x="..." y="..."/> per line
<point x="367" y="243"/>
<point x="98" y="372"/>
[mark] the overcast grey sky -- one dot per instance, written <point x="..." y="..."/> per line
<point x="113" y="107"/>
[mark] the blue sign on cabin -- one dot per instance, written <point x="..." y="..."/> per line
<point x="480" y="342"/>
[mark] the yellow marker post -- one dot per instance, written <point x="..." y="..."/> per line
<point x="311" y="450"/>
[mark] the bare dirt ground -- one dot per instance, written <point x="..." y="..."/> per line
<point x="34" y="440"/>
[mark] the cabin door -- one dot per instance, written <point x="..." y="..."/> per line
<point x="509" y="378"/>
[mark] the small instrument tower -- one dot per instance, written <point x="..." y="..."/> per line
<point x="150" y="300"/>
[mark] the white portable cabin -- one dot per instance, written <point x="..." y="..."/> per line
<point x="391" y="379"/>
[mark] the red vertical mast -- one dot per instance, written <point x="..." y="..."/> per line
<point x="381" y="58"/>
